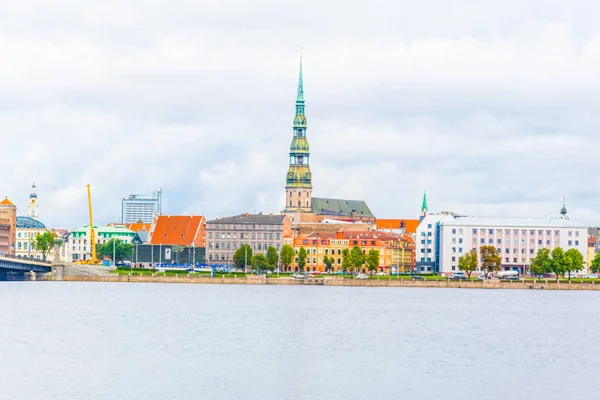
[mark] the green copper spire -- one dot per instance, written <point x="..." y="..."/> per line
<point x="424" y="209"/>
<point x="563" y="210"/>
<point x="300" y="96"/>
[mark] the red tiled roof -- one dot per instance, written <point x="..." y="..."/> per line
<point x="179" y="230"/>
<point x="138" y="227"/>
<point x="409" y="224"/>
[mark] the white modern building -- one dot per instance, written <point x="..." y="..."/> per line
<point x="139" y="207"/>
<point x="81" y="247"/>
<point x="516" y="239"/>
<point x="426" y="241"/>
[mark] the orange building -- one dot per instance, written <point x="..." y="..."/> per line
<point x="176" y="230"/>
<point x="395" y="251"/>
<point x="8" y="227"/>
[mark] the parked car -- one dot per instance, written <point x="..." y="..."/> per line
<point x="362" y="276"/>
<point x="511" y="278"/>
<point x="458" y="275"/>
<point x="381" y="273"/>
<point x="417" y="278"/>
<point x="482" y="277"/>
<point x="592" y="276"/>
<point x="299" y="276"/>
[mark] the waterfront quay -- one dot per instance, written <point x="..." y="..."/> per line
<point x="338" y="281"/>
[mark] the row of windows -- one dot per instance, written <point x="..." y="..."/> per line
<point x="247" y="227"/>
<point x="234" y="246"/>
<point x="523" y="232"/>
<point x="516" y="242"/>
<point x="244" y="235"/>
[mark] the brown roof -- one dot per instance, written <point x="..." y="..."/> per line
<point x="409" y="224"/>
<point x="179" y="230"/>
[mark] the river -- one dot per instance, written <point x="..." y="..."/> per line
<point x="174" y="341"/>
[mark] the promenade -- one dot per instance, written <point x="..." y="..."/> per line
<point x="333" y="281"/>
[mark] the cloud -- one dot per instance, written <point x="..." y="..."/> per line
<point x="493" y="108"/>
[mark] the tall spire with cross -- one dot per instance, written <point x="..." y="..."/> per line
<point x="563" y="210"/>
<point x="298" y="186"/>
<point x="424" y="208"/>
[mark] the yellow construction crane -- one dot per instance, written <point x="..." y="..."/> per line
<point x="94" y="259"/>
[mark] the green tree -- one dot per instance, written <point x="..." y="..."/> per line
<point x="301" y="258"/>
<point x="345" y="260"/>
<point x="357" y="258"/>
<point x="243" y="256"/>
<point x="574" y="261"/>
<point x="558" y="264"/>
<point x="287" y="256"/>
<point x="542" y="263"/>
<point x="595" y="265"/>
<point x="328" y="261"/>
<point x="260" y="262"/>
<point x="122" y="251"/>
<point x="372" y="260"/>
<point x="468" y="262"/>
<point x="272" y="257"/>
<point x="44" y="243"/>
<point x="490" y="260"/>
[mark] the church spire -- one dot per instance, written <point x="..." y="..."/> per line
<point x="563" y="210"/>
<point x="299" y="179"/>
<point x="424" y="208"/>
<point x="300" y="96"/>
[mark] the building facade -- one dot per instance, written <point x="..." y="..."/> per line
<point x="138" y="207"/>
<point x="27" y="229"/>
<point x="395" y="251"/>
<point x="427" y="242"/>
<point x="225" y="235"/>
<point x="516" y="239"/>
<point x="8" y="227"/>
<point x="79" y="239"/>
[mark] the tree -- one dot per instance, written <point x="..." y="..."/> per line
<point x="328" y="261"/>
<point x="558" y="264"/>
<point x="243" y="256"/>
<point x="490" y="259"/>
<point x="357" y="258"/>
<point x="260" y="262"/>
<point x="574" y="261"/>
<point x="287" y="255"/>
<point x="542" y="263"/>
<point x="44" y="242"/>
<point x="301" y="258"/>
<point x="121" y="249"/>
<point x="272" y="257"/>
<point x="468" y="262"/>
<point x="372" y="260"/>
<point x="595" y="265"/>
<point x="345" y="260"/>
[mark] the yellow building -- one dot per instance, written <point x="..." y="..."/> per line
<point x="395" y="251"/>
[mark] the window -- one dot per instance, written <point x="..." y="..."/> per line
<point x="491" y="231"/>
<point x="339" y="260"/>
<point x="454" y="249"/>
<point x="453" y="231"/>
<point x="429" y="226"/>
<point x="539" y="242"/>
<point x="506" y="251"/>
<point x="514" y="260"/>
<point x="422" y="250"/>
<point x="460" y="249"/>
<point x="428" y="233"/>
<point x="474" y="231"/>
<point x="423" y="241"/>
<point x="429" y="250"/>
<point x="577" y="243"/>
<point x="460" y="240"/>
<point x="530" y="251"/>
<point x="453" y="258"/>
<point x="491" y="241"/>
<point x="482" y="241"/>
<point x="570" y="243"/>
<point x="498" y="241"/>
<point x="428" y="241"/>
<point x="576" y="233"/>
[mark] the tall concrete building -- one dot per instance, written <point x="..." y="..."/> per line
<point x="138" y="207"/>
<point x="8" y="227"/>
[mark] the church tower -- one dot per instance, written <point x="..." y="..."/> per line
<point x="298" y="187"/>
<point x="33" y="204"/>
<point x="424" y="208"/>
<point x="563" y="210"/>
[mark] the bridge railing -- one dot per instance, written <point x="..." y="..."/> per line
<point x="31" y="259"/>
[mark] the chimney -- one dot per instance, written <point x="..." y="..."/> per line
<point x="353" y="214"/>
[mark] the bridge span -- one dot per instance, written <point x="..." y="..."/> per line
<point x="14" y="268"/>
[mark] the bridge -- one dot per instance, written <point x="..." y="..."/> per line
<point x="13" y="268"/>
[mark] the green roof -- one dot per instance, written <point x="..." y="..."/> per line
<point x="340" y="207"/>
<point x="106" y="229"/>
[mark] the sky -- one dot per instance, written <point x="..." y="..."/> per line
<point x="492" y="107"/>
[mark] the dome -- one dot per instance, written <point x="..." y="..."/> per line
<point x="26" y="222"/>
<point x="300" y="120"/>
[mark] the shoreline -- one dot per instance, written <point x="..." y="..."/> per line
<point x="261" y="280"/>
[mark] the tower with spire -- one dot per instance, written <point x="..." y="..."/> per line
<point x="424" y="208"/>
<point x="563" y="210"/>
<point x="33" y="204"/>
<point x="298" y="187"/>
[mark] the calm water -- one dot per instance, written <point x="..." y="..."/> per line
<point x="161" y="341"/>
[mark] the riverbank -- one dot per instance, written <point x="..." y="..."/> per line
<point x="334" y="281"/>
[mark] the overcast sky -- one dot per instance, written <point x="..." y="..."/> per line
<point x="492" y="106"/>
